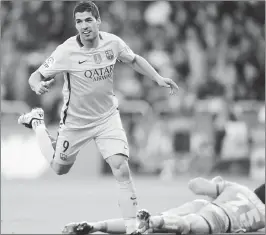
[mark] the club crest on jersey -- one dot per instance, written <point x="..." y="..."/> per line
<point x="63" y="156"/>
<point x="97" y="58"/>
<point x="109" y="54"/>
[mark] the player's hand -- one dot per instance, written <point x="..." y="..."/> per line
<point x="169" y="83"/>
<point x="43" y="87"/>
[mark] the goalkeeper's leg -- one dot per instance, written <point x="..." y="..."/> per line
<point x="118" y="225"/>
<point x="187" y="208"/>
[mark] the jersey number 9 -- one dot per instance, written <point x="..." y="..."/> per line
<point x="65" y="145"/>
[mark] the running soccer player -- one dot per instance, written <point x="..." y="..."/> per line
<point x="90" y="110"/>
<point x="232" y="208"/>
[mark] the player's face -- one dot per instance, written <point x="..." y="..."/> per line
<point x="87" y="25"/>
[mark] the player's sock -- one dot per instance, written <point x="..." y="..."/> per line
<point x="43" y="139"/>
<point x="172" y="223"/>
<point x="109" y="226"/>
<point x="156" y="222"/>
<point x="128" y="204"/>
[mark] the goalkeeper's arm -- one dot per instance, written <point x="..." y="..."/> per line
<point x="211" y="188"/>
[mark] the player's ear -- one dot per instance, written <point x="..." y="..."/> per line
<point x="98" y="22"/>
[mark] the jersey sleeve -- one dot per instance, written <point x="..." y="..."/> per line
<point x="55" y="64"/>
<point x="125" y="54"/>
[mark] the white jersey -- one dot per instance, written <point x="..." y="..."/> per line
<point x="88" y="89"/>
<point x="244" y="208"/>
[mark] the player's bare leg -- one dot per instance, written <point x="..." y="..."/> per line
<point x="107" y="226"/>
<point x="35" y="120"/>
<point x="127" y="193"/>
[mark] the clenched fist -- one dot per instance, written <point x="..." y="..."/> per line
<point x="42" y="87"/>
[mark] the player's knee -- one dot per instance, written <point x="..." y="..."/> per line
<point x="119" y="166"/>
<point x="121" y="172"/>
<point x="197" y="224"/>
<point x="60" y="169"/>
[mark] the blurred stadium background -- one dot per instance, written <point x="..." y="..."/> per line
<point x="215" y="51"/>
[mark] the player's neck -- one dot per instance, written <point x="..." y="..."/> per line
<point x="89" y="44"/>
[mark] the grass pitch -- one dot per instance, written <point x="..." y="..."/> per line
<point x="45" y="205"/>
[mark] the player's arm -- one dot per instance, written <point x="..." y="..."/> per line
<point x="41" y="80"/>
<point x="211" y="188"/>
<point x="142" y="66"/>
<point x="37" y="83"/>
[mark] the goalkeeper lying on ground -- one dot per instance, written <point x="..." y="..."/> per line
<point x="232" y="208"/>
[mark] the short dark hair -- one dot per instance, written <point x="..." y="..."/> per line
<point x="260" y="192"/>
<point x="87" y="6"/>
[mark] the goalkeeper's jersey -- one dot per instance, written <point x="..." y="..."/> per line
<point x="243" y="207"/>
<point x="88" y="73"/>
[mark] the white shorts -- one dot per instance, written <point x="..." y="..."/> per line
<point x="110" y="138"/>
<point x="216" y="218"/>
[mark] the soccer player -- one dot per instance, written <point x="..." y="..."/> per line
<point x="232" y="208"/>
<point x="90" y="110"/>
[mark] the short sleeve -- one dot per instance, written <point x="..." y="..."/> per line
<point x="55" y="64"/>
<point x="125" y="54"/>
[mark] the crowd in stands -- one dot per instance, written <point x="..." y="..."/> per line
<point x="212" y="48"/>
